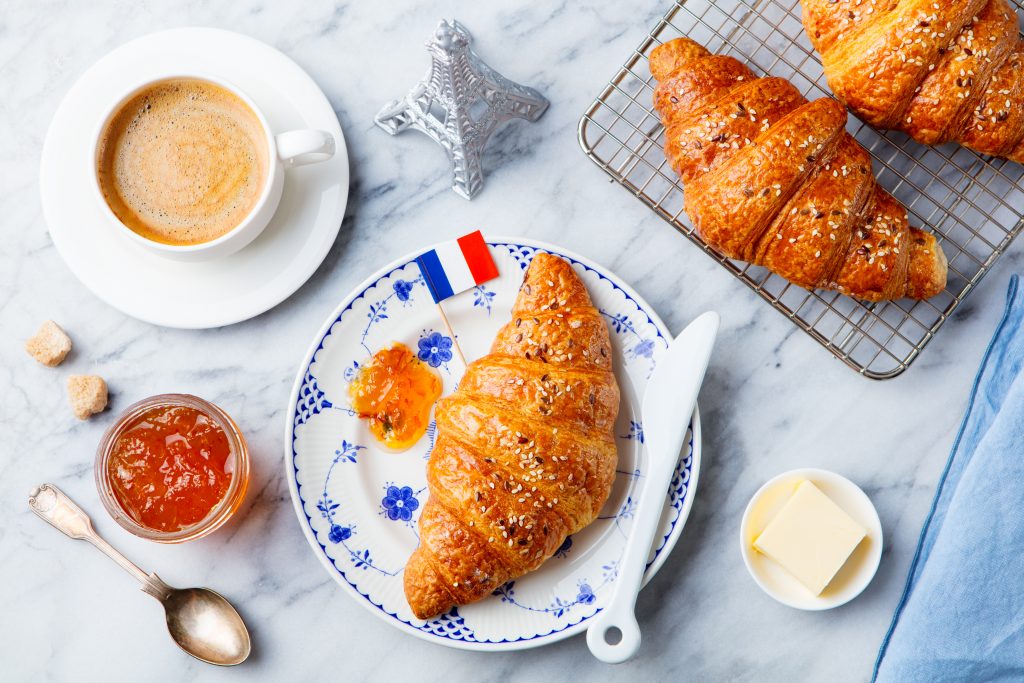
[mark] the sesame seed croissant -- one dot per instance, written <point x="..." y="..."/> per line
<point x="775" y="180"/>
<point x="940" y="71"/>
<point x="525" y="453"/>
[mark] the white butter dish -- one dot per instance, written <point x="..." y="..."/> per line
<point x="854" y="575"/>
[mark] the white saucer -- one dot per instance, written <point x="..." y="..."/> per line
<point x="213" y="293"/>
<point x="855" y="575"/>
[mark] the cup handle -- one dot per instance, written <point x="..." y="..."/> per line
<point x="301" y="147"/>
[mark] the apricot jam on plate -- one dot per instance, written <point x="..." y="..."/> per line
<point x="394" y="392"/>
<point x="172" y="468"/>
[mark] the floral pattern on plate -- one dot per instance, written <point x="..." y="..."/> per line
<point x="359" y="503"/>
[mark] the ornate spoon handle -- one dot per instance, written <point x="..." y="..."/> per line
<point x="54" y="506"/>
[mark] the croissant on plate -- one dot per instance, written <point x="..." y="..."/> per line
<point x="525" y="453"/>
<point x="775" y="180"/>
<point x="940" y="71"/>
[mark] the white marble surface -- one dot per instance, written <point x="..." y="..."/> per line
<point x="774" y="399"/>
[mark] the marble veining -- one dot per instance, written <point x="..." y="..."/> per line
<point x="773" y="400"/>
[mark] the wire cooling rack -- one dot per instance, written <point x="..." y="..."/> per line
<point x="967" y="200"/>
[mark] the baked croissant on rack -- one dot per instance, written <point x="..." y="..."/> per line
<point x="939" y="70"/>
<point x="775" y="180"/>
<point x="525" y="453"/>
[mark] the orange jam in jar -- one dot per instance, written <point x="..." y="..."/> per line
<point x="173" y="468"/>
<point x="395" y="392"/>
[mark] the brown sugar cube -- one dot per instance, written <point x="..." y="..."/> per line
<point x="50" y="345"/>
<point x="88" y="395"/>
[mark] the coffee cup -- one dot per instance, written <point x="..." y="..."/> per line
<point x="187" y="166"/>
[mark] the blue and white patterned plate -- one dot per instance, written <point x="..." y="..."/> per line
<point x="358" y="503"/>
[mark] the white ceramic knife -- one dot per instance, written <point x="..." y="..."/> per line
<point x="614" y="635"/>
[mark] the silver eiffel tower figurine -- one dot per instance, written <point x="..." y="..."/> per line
<point x="459" y="103"/>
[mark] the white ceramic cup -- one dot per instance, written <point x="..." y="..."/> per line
<point x="284" y="150"/>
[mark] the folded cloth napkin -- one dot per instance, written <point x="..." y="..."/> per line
<point x="961" y="616"/>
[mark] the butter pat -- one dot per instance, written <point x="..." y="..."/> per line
<point x="811" y="537"/>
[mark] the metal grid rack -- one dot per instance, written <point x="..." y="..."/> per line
<point x="967" y="200"/>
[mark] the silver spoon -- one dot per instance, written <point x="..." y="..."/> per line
<point x="200" y="621"/>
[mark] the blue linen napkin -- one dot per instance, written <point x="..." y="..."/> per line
<point x="961" y="616"/>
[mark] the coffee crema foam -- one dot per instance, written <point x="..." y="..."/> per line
<point x="183" y="162"/>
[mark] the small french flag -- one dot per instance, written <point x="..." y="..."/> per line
<point x="455" y="266"/>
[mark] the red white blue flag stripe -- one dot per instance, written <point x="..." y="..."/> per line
<point x="455" y="266"/>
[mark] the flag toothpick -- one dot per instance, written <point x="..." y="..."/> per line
<point x="451" y="333"/>
<point x="452" y="268"/>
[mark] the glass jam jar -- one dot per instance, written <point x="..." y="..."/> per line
<point x="172" y="468"/>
